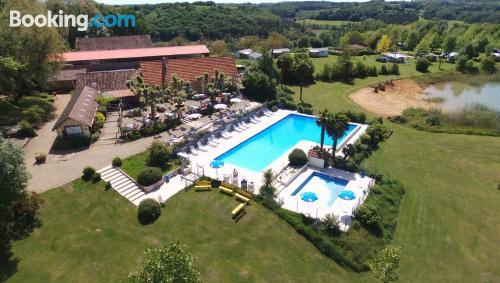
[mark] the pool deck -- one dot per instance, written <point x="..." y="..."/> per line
<point x="341" y="208"/>
<point x="200" y="163"/>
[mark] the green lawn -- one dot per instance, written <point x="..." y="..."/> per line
<point x="92" y="235"/>
<point x="132" y="165"/>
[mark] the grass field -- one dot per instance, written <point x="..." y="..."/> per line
<point x="92" y="235"/>
<point x="133" y="164"/>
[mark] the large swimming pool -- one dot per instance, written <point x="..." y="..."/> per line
<point x="259" y="151"/>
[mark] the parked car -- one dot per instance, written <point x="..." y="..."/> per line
<point x="382" y="59"/>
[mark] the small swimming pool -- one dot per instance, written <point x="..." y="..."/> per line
<point x="325" y="188"/>
<point x="259" y="151"/>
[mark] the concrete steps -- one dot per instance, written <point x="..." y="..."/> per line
<point x="121" y="183"/>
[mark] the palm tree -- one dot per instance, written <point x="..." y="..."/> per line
<point x="267" y="189"/>
<point x="337" y="125"/>
<point x="322" y="121"/>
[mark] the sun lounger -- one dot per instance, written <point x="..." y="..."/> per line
<point x="214" y="139"/>
<point x="192" y="150"/>
<point x="211" y="142"/>
<point x="202" y="147"/>
<point x="238" y="210"/>
<point x="202" y="186"/>
<point x="225" y="135"/>
<point x="226" y="188"/>
<point x="183" y="155"/>
<point x="253" y="121"/>
<point x="237" y="128"/>
<point x="243" y="196"/>
<point x="267" y="113"/>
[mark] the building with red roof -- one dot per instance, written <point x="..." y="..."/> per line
<point x="187" y="69"/>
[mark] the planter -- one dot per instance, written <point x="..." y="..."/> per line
<point x="154" y="186"/>
<point x="40" y="158"/>
<point x="316" y="162"/>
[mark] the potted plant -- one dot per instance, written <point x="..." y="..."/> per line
<point x="40" y="157"/>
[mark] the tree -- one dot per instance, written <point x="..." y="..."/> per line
<point x="322" y="121"/>
<point x="386" y="263"/>
<point x="436" y="42"/>
<point x="488" y="65"/>
<point x="18" y="207"/>
<point x="168" y="264"/>
<point x="336" y="127"/>
<point x="158" y="154"/>
<point x="411" y="40"/>
<point x="276" y="40"/>
<point x="450" y="43"/>
<point x="266" y="65"/>
<point x="219" y="48"/>
<point x="258" y="86"/>
<point x="10" y="70"/>
<point x="178" y="41"/>
<point x="151" y="94"/>
<point x="303" y="68"/>
<point x="267" y="189"/>
<point x="285" y="64"/>
<point x="384" y="44"/>
<point x="345" y="64"/>
<point x="470" y="51"/>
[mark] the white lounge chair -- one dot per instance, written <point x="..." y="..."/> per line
<point x="225" y="135"/>
<point x="183" y="155"/>
<point x="237" y="128"/>
<point x="214" y="139"/>
<point x="202" y="147"/>
<point x="193" y="150"/>
<point x="247" y="126"/>
<point x="268" y="113"/>
<point x="253" y="121"/>
<point x="211" y="142"/>
<point x="243" y="125"/>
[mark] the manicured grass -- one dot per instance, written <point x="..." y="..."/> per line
<point x="92" y="235"/>
<point x="132" y="165"/>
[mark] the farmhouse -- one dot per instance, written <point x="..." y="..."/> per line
<point x="78" y="116"/>
<point x="243" y="54"/>
<point x="113" y="42"/>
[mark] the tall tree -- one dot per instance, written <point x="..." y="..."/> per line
<point x="384" y="44"/>
<point x="336" y="127"/>
<point x="150" y="93"/>
<point x="303" y="69"/>
<point x="168" y="264"/>
<point x="285" y="64"/>
<point x="322" y="121"/>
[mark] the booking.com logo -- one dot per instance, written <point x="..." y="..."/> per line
<point x="81" y="22"/>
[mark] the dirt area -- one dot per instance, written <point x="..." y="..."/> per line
<point x="404" y="94"/>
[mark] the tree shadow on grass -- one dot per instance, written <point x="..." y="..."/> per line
<point x="8" y="263"/>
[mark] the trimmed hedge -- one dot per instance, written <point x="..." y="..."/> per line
<point x="148" y="211"/>
<point x="297" y="157"/>
<point x="149" y="176"/>
<point x="88" y="172"/>
<point x="117" y="162"/>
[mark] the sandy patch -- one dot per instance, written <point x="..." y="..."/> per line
<point x="404" y="94"/>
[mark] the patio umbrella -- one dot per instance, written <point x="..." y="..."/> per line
<point x="220" y="106"/>
<point x="217" y="164"/>
<point x="347" y="195"/>
<point x="194" y="116"/>
<point x="235" y="100"/>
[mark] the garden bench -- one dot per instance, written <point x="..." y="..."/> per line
<point x="202" y="186"/>
<point x="238" y="211"/>
<point x="226" y="188"/>
<point x="243" y="195"/>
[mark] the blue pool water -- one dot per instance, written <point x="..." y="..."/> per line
<point x="326" y="188"/>
<point x="259" y="151"/>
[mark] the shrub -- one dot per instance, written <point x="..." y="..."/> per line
<point x="25" y="129"/>
<point x="488" y="65"/>
<point x="149" y="176"/>
<point x="297" y="157"/>
<point x="148" y="211"/>
<point x="33" y="114"/>
<point x="99" y="120"/>
<point x="372" y="71"/>
<point x="28" y="101"/>
<point x="422" y="65"/>
<point x="331" y="224"/>
<point x="434" y="119"/>
<point x="383" y="70"/>
<point x="117" y="162"/>
<point x="40" y="157"/>
<point x="368" y="214"/>
<point x="88" y="172"/>
<point x="215" y="183"/>
<point x="108" y="185"/>
<point x="159" y="154"/>
<point x="395" y="69"/>
<point x="96" y="177"/>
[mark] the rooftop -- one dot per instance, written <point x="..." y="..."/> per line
<point x="81" y="108"/>
<point x="113" y="42"/>
<point x="133" y="53"/>
<point x="188" y="68"/>
<point x="105" y="80"/>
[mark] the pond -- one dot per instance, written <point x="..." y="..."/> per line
<point x="453" y="96"/>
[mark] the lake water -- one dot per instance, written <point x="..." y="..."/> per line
<point x="456" y="95"/>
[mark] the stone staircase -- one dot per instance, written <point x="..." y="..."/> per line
<point x="122" y="183"/>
